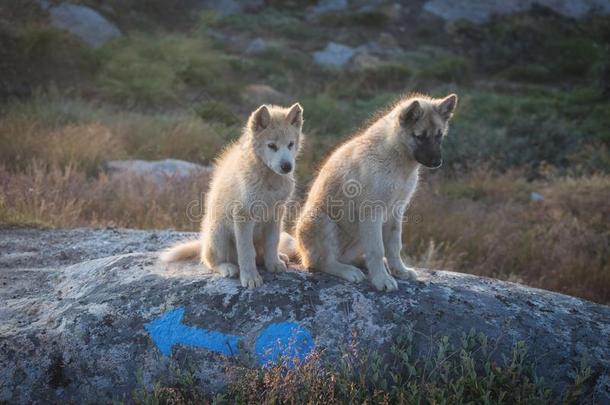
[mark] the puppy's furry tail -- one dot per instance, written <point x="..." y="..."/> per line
<point x="182" y="251"/>
<point x="288" y="246"/>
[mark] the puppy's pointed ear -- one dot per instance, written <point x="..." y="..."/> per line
<point x="259" y="119"/>
<point x="411" y="113"/>
<point x="447" y="106"/>
<point x="295" y="115"/>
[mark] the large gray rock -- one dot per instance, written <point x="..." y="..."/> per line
<point x="329" y="6"/>
<point x="480" y="11"/>
<point x="85" y="312"/>
<point x="157" y="171"/>
<point x="84" y="22"/>
<point x="230" y="7"/>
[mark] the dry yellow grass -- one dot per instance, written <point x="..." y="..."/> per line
<point x="483" y="224"/>
<point x="66" y="197"/>
<point x="493" y="229"/>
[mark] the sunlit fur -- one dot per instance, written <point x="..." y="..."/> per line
<point x="381" y="163"/>
<point x="244" y="205"/>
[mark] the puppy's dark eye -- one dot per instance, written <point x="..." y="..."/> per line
<point x="272" y="146"/>
<point x="290" y="145"/>
<point x="439" y="134"/>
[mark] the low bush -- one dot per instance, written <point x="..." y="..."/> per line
<point x="149" y="69"/>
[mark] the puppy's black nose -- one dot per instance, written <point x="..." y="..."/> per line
<point x="436" y="163"/>
<point x="286" y="167"/>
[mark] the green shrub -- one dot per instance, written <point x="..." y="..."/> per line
<point x="369" y="82"/>
<point x="371" y="19"/>
<point x="575" y="56"/>
<point x="284" y="68"/>
<point x="271" y="21"/>
<point x="567" y="48"/>
<point x="528" y="73"/>
<point x="453" y="68"/>
<point x="326" y="115"/>
<point x="512" y="130"/>
<point x="217" y="112"/>
<point x="148" y="70"/>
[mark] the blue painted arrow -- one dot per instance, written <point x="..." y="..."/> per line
<point x="278" y="341"/>
<point x="283" y="341"/>
<point x="168" y="330"/>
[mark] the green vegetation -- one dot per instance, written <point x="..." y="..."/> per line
<point x="270" y="21"/>
<point x="370" y="19"/>
<point x="144" y="69"/>
<point x="567" y="49"/>
<point x="464" y="372"/>
<point x="215" y="111"/>
<point x="451" y="68"/>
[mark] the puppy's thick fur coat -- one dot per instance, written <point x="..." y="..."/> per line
<point x="354" y="211"/>
<point x="252" y="181"/>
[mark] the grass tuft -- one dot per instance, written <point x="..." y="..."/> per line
<point x="464" y="371"/>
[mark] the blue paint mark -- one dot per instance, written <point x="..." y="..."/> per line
<point x="168" y="330"/>
<point x="283" y="341"/>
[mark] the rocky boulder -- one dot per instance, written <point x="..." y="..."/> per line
<point x="84" y="22"/>
<point x="230" y="7"/>
<point x="481" y="11"/>
<point x="89" y="315"/>
<point x="156" y="171"/>
<point x="329" y="6"/>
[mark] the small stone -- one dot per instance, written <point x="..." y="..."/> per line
<point x="334" y="55"/>
<point x="256" y="47"/>
<point x="536" y="196"/>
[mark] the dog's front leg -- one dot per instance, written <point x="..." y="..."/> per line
<point x="392" y="240"/>
<point x="246" y="254"/>
<point x="273" y="262"/>
<point x="371" y="237"/>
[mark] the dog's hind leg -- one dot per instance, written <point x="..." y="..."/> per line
<point x="219" y="253"/>
<point x="319" y="246"/>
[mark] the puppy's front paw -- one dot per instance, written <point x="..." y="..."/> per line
<point x="403" y="273"/>
<point x="382" y="281"/>
<point x="250" y="279"/>
<point x="353" y="275"/>
<point x="227" y="269"/>
<point x="276" y="266"/>
<point x="284" y="258"/>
